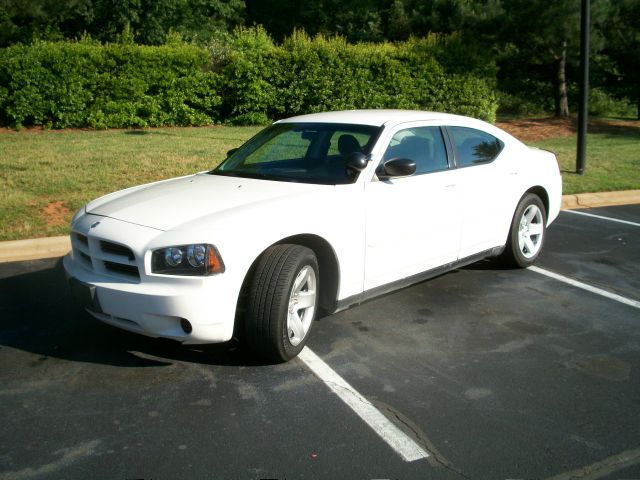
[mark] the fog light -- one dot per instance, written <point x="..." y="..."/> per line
<point x="186" y="325"/>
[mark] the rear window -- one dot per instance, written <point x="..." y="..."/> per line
<point x="474" y="146"/>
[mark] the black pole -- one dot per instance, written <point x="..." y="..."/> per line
<point x="583" y="113"/>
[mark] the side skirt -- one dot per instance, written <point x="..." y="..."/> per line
<point x="408" y="281"/>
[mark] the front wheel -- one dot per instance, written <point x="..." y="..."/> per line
<point x="283" y="301"/>
<point x="527" y="233"/>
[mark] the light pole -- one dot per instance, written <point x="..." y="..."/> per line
<point x="583" y="113"/>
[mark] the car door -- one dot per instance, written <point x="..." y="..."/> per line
<point x="483" y="189"/>
<point x="412" y="223"/>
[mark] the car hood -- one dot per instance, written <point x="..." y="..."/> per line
<point x="168" y="204"/>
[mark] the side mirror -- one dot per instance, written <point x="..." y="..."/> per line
<point x="396" y="167"/>
<point x="231" y="152"/>
<point x="357" y="161"/>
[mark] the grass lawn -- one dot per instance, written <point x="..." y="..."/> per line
<point x="613" y="161"/>
<point x="47" y="175"/>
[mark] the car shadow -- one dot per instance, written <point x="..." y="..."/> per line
<point x="39" y="315"/>
<point x="495" y="263"/>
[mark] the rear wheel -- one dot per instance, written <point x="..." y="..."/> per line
<point x="282" y="302"/>
<point x="527" y="233"/>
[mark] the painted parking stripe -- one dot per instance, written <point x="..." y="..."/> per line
<point x="626" y="222"/>
<point x="585" y="286"/>
<point x="405" y="446"/>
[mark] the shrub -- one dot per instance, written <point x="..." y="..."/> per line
<point x="77" y="84"/>
<point x="243" y="78"/>
<point x="602" y="104"/>
<point x="303" y="75"/>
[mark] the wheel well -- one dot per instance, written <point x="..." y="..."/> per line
<point x="328" y="264"/>
<point x="329" y="273"/>
<point x="543" y="195"/>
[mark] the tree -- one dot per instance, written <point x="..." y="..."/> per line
<point x="622" y="28"/>
<point x="546" y="38"/>
<point x="356" y="20"/>
<point x="547" y="35"/>
<point x="25" y="20"/>
<point x="149" y="21"/>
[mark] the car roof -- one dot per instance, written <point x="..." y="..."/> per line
<point x="392" y="118"/>
<point x="373" y="117"/>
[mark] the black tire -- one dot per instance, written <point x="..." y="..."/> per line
<point x="267" y="317"/>
<point x="516" y="253"/>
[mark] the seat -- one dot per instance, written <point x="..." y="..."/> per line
<point x="348" y="144"/>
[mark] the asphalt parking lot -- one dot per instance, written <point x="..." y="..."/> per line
<point x="494" y="373"/>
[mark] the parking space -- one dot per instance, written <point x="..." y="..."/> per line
<point x="494" y="373"/>
<point x="597" y="249"/>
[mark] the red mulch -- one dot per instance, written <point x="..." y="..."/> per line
<point x="533" y="129"/>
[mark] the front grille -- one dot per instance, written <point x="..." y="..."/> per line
<point x="104" y="256"/>
<point x="82" y="239"/>
<point x="116" y="249"/>
<point x="130" y="270"/>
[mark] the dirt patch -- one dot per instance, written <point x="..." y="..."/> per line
<point x="56" y="214"/>
<point x="534" y="129"/>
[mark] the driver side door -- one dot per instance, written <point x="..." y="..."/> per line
<point x="412" y="223"/>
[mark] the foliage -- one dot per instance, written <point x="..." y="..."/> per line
<point x="304" y="74"/>
<point x="602" y="104"/>
<point x="148" y="21"/>
<point x="248" y="79"/>
<point x="622" y="78"/>
<point x="78" y="84"/>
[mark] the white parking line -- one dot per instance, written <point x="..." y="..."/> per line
<point x="405" y="446"/>
<point x="587" y="287"/>
<point x="603" y="218"/>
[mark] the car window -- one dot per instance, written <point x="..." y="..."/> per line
<point x="301" y="152"/>
<point x="474" y="146"/>
<point x="424" y="145"/>
<point x="291" y="145"/>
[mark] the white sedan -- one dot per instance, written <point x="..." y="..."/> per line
<point x="312" y="215"/>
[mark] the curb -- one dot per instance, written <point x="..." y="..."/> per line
<point x="34" y="249"/>
<point x="50" y="247"/>
<point x="602" y="199"/>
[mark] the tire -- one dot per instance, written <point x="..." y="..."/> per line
<point x="527" y="232"/>
<point x="283" y="301"/>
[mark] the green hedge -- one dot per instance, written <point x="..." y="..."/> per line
<point x="263" y="81"/>
<point x="79" y="84"/>
<point x="243" y="79"/>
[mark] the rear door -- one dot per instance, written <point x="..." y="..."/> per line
<point x="484" y="188"/>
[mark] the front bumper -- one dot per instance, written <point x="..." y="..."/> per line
<point x="152" y="305"/>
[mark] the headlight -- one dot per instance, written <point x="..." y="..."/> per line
<point x="197" y="259"/>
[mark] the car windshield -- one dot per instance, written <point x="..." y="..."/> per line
<point x="300" y="152"/>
